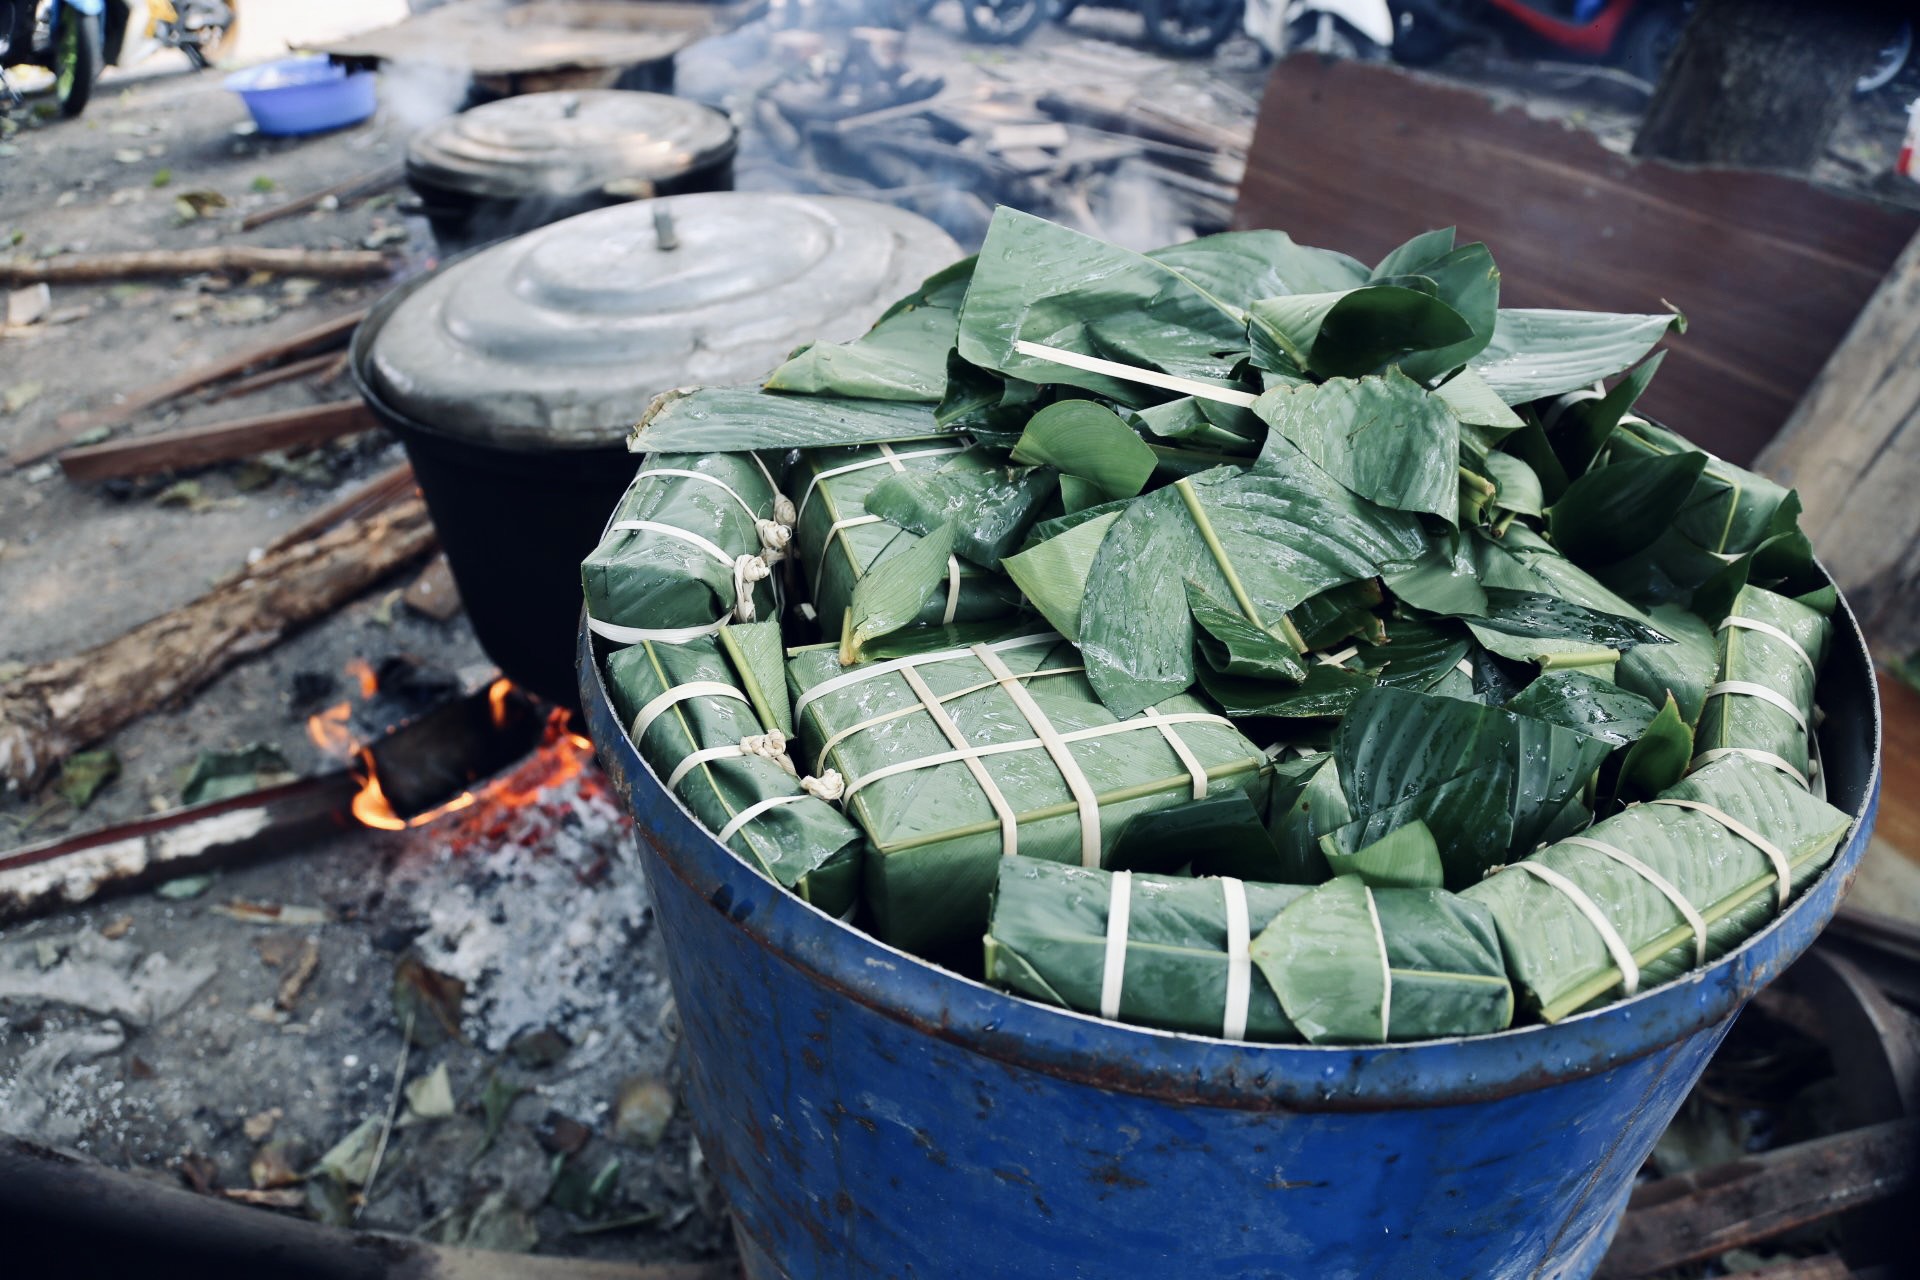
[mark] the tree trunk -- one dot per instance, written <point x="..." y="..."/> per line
<point x="1760" y="84"/>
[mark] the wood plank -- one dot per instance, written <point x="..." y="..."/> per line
<point x="1899" y="820"/>
<point x="274" y="377"/>
<point x="71" y="426"/>
<point x="364" y="185"/>
<point x="377" y="494"/>
<point x="1690" y="1218"/>
<point x="1852" y="449"/>
<point x="87" y="268"/>
<point x="220" y="442"/>
<point x="1770" y="269"/>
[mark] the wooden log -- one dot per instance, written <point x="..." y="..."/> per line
<point x="290" y="372"/>
<point x="218" y="442"/>
<point x="353" y="188"/>
<point x="70" y="426"/>
<point x="1852" y="449"/>
<point x="1697" y="1215"/>
<point x="59" y="706"/>
<point x="377" y="494"/>
<point x="90" y="268"/>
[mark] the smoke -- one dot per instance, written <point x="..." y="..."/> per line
<point x="419" y="94"/>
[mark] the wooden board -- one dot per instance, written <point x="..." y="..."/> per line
<point x="217" y="442"/>
<point x="1769" y="269"/>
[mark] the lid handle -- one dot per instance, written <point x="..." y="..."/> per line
<point x="665" y="238"/>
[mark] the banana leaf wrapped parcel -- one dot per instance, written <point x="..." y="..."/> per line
<point x="953" y="758"/>
<point x="1658" y="888"/>
<point x="1157" y="951"/>
<point x="711" y="717"/>
<point x="1761" y="707"/>
<point x="690" y="548"/>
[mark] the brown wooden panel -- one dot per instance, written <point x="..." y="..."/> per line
<point x="1769" y="269"/>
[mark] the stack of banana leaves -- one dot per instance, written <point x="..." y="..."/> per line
<point x="1247" y="640"/>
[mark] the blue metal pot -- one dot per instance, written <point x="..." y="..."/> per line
<point x="870" y="1115"/>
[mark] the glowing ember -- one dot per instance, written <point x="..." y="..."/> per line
<point x="497" y="694"/>
<point x="360" y="671"/>
<point x="329" y="730"/>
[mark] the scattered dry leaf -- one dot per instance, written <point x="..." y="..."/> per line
<point x="273" y="913"/>
<point x="428" y="1000"/>
<point x="117" y="928"/>
<point x="299" y="975"/>
<point x="258" y="1125"/>
<point x="430" y="1097"/>
<point x="272" y="1166"/>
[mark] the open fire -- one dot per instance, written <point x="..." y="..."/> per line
<point x="560" y="756"/>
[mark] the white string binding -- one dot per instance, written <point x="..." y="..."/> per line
<point x="833" y="531"/>
<point x="1233" y="1020"/>
<point x="1609" y="936"/>
<point x="1773" y="633"/>
<point x="1386" y="966"/>
<point x="1196" y="771"/>
<point x="1336" y="659"/>
<point x="1782" y="865"/>
<point x="873" y="670"/>
<point x="953" y="591"/>
<point x="888" y="459"/>
<point x="746" y="570"/>
<point x="1679" y="900"/>
<point x="1747" y="689"/>
<point x="1129" y="373"/>
<point x="872" y="722"/>
<point x="1085" y="798"/>
<point x="1113" y="969"/>
<point x="753" y="811"/>
<point x="703" y="478"/>
<point x="644" y="718"/>
<point x="1009" y="820"/>
<point x="771" y="747"/>
<point x="1785" y="766"/>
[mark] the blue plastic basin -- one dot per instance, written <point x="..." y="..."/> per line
<point x="308" y="94"/>
<point x="870" y="1115"/>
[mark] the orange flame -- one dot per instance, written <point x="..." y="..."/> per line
<point x="329" y="732"/>
<point x="360" y="671"/>
<point x="497" y="694"/>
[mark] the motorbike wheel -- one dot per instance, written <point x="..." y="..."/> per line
<point x="1328" y="36"/>
<point x="1003" y="21"/>
<point x="215" y="41"/>
<point x="76" y="62"/>
<point x="1420" y="39"/>
<point x="1191" y="28"/>
<point x="1888" y="62"/>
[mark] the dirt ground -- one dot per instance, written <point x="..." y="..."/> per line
<point x="156" y="1031"/>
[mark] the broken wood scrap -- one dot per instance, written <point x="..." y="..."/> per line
<point x="86" y="268"/>
<point x="57" y="707"/>
<point x="289" y="372"/>
<point x="69" y="427"/>
<point x="376" y="495"/>
<point x="1141" y="120"/>
<point x="1695" y="1216"/>
<point x="352" y="189"/>
<point x="218" y="442"/>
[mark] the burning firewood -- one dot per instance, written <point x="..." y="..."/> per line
<point x="57" y="707"/>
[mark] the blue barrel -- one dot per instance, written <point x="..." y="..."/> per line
<point x="870" y="1115"/>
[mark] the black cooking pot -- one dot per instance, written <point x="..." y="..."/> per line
<point x="509" y="166"/>
<point x="512" y="374"/>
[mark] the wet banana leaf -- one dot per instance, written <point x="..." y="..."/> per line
<point x="1356" y="331"/>
<point x="1558" y="957"/>
<point x="1308" y="802"/>
<point x="1384" y="438"/>
<point x="1084" y="439"/>
<point x="1479" y="408"/>
<point x="1407" y="857"/>
<point x="759" y="657"/>
<point x="936" y="834"/>
<point x="1517" y="487"/>
<point x="989" y="509"/>
<point x="644" y="580"/>
<point x="1047" y="940"/>
<point x="1241" y="267"/>
<point x="1204" y="424"/>
<point x="1586" y="703"/>
<point x="1265" y="541"/>
<point x="1329" y="619"/>
<point x="1771" y="649"/>
<point x="897" y="590"/>
<point x="1226" y="825"/>
<point x="1233" y="646"/>
<point x="1583" y="424"/>
<point x="1041" y="283"/>
<point x="1354" y="965"/>
<point x="1052" y="574"/>
<point x="802" y="843"/>
<point x="1407" y="259"/>
<point x="838" y="541"/>
<point x="903" y="357"/>
<point x="1617" y="511"/>
<point x="736" y="419"/>
<point x="1325" y="691"/>
<point x="991" y="407"/>
<point x="1532" y="613"/>
<point x="1441" y="581"/>
<point x="1469" y="283"/>
<point x="1535" y="354"/>
<point x="1485" y="780"/>
<point x="1417" y="655"/>
<point x="1658" y="760"/>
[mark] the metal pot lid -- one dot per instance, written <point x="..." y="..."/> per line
<point x="570" y="143"/>
<point x="561" y="337"/>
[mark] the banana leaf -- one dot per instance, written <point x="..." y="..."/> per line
<point x="897" y="590"/>
<point x="736" y="419"/>
<point x="1535" y="354"/>
<point x="1047" y="940"/>
<point x="1583" y="425"/>
<point x="834" y="560"/>
<point x="1356" y="331"/>
<point x="935" y="833"/>
<point x="903" y="357"/>
<point x="1335" y="615"/>
<point x="1486" y="781"/>
<point x="1441" y="581"/>
<point x="1407" y="857"/>
<point x="1588" y="704"/>
<point x="647" y="580"/>
<point x="1052" y="573"/>
<point x="1325" y="691"/>
<point x="1084" y="439"/>
<point x="1617" y="511"/>
<point x="1469" y="283"/>
<point x="1226" y="825"/>
<point x="1487" y="418"/>
<point x="1741" y="720"/>
<point x="1241" y="267"/>
<point x="1265" y="541"/>
<point x="1356" y="965"/>
<point x="1557" y="956"/>
<point x="1384" y="438"/>
<point x="990" y="509"/>
<point x="1041" y="283"/>
<point x="1417" y="654"/>
<point x="802" y="843"/>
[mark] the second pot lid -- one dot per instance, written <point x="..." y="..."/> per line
<point x="560" y="338"/>
<point x="570" y="143"/>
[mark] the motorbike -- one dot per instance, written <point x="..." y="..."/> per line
<point x="1359" y="29"/>
<point x="77" y="39"/>
<point x="1190" y="28"/>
